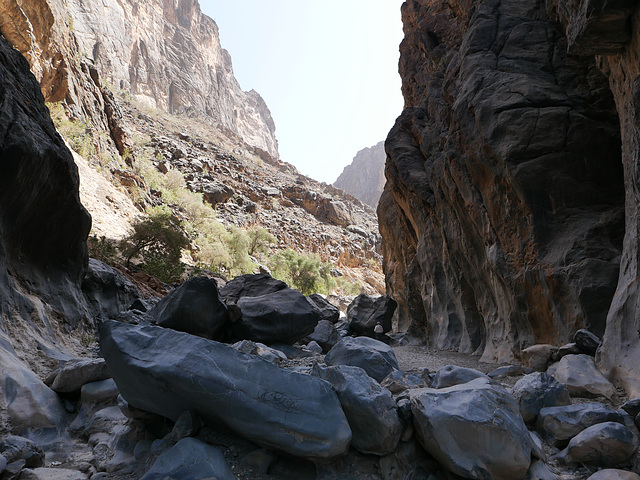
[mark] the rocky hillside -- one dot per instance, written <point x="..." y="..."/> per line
<point x="165" y="54"/>
<point x="509" y="210"/>
<point x="364" y="177"/>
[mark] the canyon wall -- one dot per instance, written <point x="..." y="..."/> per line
<point x="503" y="216"/>
<point x="165" y="53"/>
<point x="364" y="177"/>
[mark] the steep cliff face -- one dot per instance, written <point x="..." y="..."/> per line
<point x="164" y="53"/>
<point x="364" y="177"/>
<point x="503" y="213"/>
<point x="43" y="226"/>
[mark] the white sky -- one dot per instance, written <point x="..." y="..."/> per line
<point x="328" y="70"/>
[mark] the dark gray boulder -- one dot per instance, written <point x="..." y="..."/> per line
<point x="325" y="334"/>
<point x="536" y="391"/>
<point x="107" y="290"/>
<point x="281" y="317"/>
<point x="474" y="430"/>
<point x="251" y="285"/>
<point x="558" y="425"/>
<point x="608" y="444"/>
<point x="327" y="310"/>
<point x="194" y="307"/>
<point x="370" y="409"/>
<point x="451" y="375"/>
<point x="365" y="312"/>
<point x="582" y="378"/>
<point x="374" y="357"/>
<point x="167" y="372"/>
<point x="14" y="448"/>
<point x="190" y="459"/>
<point x="632" y="407"/>
<point x="586" y="342"/>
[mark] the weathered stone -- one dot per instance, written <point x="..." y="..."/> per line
<point x="251" y="285"/>
<point x="538" y="357"/>
<point x="370" y="409"/>
<point x="408" y="461"/>
<point x="564" y="350"/>
<point x="607" y="444"/>
<point x="51" y="474"/>
<point x="194" y="307"/>
<point x="325" y="335"/>
<point x="558" y="425"/>
<point x="156" y="370"/>
<point x="454" y="424"/>
<point x="587" y="342"/>
<point x="267" y="353"/>
<point x="537" y="391"/>
<point x="613" y="474"/>
<point x="364" y="176"/>
<point x="632" y="407"/>
<point x="509" y="371"/>
<point x="281" y="317"/>
<point x="96" y="392"/>
<point x="452" y="375"/>
<point x="365" y="312"/>
<point x="14" y="448"/>
<point x="327" y="310"/>
<point x="374" y="357"/>
<point x="215" y="192"/>
<point x="580" y="375"/>
<point x="190" y="458"/>
<point x="74" y="374"/>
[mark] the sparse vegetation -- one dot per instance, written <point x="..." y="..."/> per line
<point x="308" y="274"/>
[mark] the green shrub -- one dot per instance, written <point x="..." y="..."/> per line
<point x="103" y="249"/>
<point x="307" y="274"/>
<point x="259" y="241"/>
<point x="76" y="132"/>
<point x="157" y="241"/>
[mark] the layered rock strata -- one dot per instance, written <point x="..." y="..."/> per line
<point x="503" y="213"/>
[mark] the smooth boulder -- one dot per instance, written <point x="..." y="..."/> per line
<point x="167" y="372"/>
<point x="281" y="317"/>
<point x="536" y="391"/>
<point x="586" y="342"/>
<point x="250" y="285"/>
<point x="190" y="459"/>
<point x="365" y="312"/>
<point x="76" y="373"/>
<point x="608" y="444"/>
<point x="451" y="375"/>
<point x="474" y="430"/>
<point x="614" y="474"/>
<point x="559" y="424"/>
<point x="580" y="375"/>
<point x="370" y="409"/>
<point x="194" y="307"/>
<point x="374" y="357"/>
<point x="327" y="310"/>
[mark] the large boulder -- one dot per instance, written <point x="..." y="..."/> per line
<point x="281" y="317"/>
<point x="75" y="373"/>
<point x="580" y="375"/>
<point x="370" y="409"/>
<point x="536" y="391"/>
<point x="189" y="459"/>
<point x="474" y="430"/>
<point x="365" y="312"/>
<point x="559" y="424"/>
<point x="607" y="444"/>
<point x="327" y="310"/>
<point x="194" y="307"/>
<point x="250" y="285"/>
<point x="587" y="342"/>
<point x="613" y="474"/>
<point x="451" y="375"/>
<point x="374" y="357"/>
<point x="325" y="334"/>
<point x="167" y="372"/>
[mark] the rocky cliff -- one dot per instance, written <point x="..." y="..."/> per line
<point x="504" y="211"/>
<point x="167" y="54"/>
<point x="364" y="177"/>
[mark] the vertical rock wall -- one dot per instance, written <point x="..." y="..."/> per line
<point x="503" y="215"/>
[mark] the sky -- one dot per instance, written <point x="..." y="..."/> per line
<point x="327" y="69"/>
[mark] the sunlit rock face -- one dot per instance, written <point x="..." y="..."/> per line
<point x="43" y="226"/>
<point x="364" y="177"/>
<point x="166" y="54"/>
<point x="503" y="214"/>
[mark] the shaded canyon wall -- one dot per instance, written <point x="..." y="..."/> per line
<point x="503" y="216"/>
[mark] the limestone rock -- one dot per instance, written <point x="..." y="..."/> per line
<point x="194" y="307"/>
<point x="537" y="391"/>
<point x="374" y="357"/>
<point x="455" y="424"/>
<point x="452" y="375"/>
<point x="607" y="444"/>
<point x="190" y="458"/>
<point x="365" y="312"/>
<point x="364" y="176"/>
<point x="156" y="370"/>
<point x="538" y="357"/>
<point x="281" y="317"/>
<point x="580" y="375"/>
<point x="370" y="409"/>
<point x="560" y="424"/>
